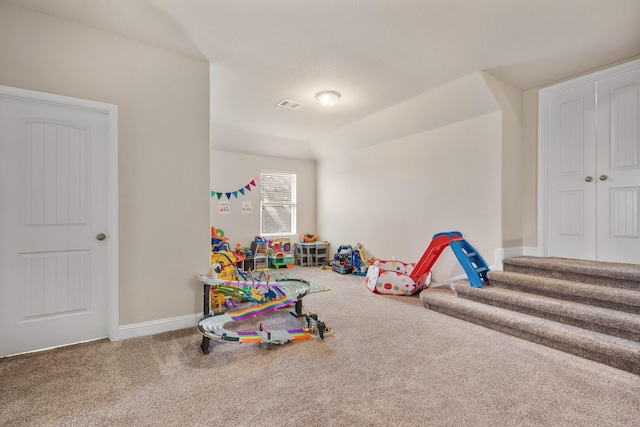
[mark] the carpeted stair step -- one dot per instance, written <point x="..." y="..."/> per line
<point x="603" y="296"/>
<point x="603" y="320"/>
<point x="618" y="275"/>
<point x="617" y="352"/>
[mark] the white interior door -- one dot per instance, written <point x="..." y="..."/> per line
<point x="571" y="168"/>
<point x="590" y="134"/>
<point x="618" y="173"/>
<point x="53" y="205"/>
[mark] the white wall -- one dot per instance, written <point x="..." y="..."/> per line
<point x="509" y="99"/>
<point x="163" y="116"/>
<point x="394" y="196"/>
<point x="231" y="171"/>
<point x="529" y="169"/>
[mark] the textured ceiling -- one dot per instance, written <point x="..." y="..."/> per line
<point x="377" y="53"/>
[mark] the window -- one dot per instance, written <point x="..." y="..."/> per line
<point x="277" y="203"/>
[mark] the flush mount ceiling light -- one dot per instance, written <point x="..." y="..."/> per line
<point x="328" y="97"/>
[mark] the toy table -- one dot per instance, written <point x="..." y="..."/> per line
<point x="311" y="253"/>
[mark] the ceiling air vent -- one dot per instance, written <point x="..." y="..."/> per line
<point x="291" y="105"/>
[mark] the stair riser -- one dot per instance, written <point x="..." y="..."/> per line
<point x="629" y="334"/>
<point x="523" y="287"/>
<point x="622" y="360"/>
<point x="575" y="277"/>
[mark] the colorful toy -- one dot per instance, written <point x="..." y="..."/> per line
<point x="280" y="259"/>
<point x="217" y="298"/>
<point x="218" y="241"/>
<point x="211" y="326"/>
<point x="222" y="259"/>
<point x="280" y="244"/>
<point x="260" y="249"/>
<point x="347" y="259"/>
<point x="469" y="258"/>
<point x="262" y="244"/>
<point x="393" y="278"/>
<point x="358" y="262"/>
<point x="225" y="262"/>
<point x="280" y="253"/>
<point x="309" y="238"/>
<point x="398" y="278"/>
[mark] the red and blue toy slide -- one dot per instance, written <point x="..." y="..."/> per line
<point x="414" y="277"/>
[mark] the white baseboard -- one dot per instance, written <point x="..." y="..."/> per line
<point x="532" y="251"/>
<point x="504" y="253"/>
<point x="513" y="252"/>
<point x="455" y="279"/>
<point x="135" y="330"/>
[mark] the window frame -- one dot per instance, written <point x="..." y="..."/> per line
<point x="292" y="203"/>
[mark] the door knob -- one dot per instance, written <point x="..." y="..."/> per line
<point x="603" y="177"/>
<point x="589" y="179"/>
<point x="101" y="236"/>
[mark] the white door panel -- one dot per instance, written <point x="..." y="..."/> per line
<point x="571" y="194"/>
<point x="53" y="203"/>
<point x="619" y="167"/>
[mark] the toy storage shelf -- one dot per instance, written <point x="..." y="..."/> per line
<point x="260" y="257"/>
<point x="260" y="262"/>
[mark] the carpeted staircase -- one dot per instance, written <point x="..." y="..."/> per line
<point x="590" y="309"/>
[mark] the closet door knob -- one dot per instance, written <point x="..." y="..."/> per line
<point x="589" y="179"/>
<point x="603" y="177"/>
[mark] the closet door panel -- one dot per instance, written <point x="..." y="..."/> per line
<point x="571" y="168"/>
<point x="618" y="167"/>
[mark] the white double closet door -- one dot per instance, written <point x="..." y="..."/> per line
<point x="590" y="137"/>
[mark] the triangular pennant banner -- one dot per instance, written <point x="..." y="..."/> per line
<point x="235" y="193"/>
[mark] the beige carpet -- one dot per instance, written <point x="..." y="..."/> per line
<point x="389" y="362"/>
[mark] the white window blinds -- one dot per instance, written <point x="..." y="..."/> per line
<point x="277" y="203"/>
